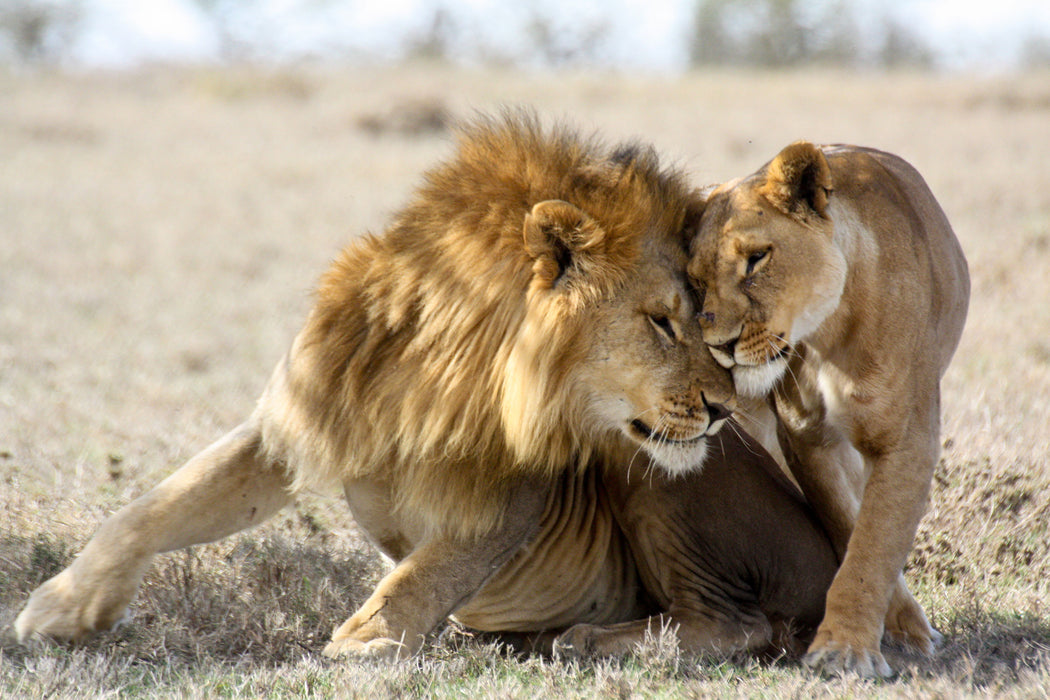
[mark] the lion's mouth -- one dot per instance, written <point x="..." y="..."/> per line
<point x="674" y="455"/>
<point x="644" y="432"/>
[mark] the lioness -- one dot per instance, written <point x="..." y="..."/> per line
<point x="832" y="282"/>
<point x="480" y="380"/>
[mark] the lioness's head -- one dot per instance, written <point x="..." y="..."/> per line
<point x="611" y="321"/>
<point x="765" y="265"/>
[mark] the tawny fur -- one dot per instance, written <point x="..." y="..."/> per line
<point x="833" y="284"/>
<point x="425" y="336"/>
<point x="525" y="319"/>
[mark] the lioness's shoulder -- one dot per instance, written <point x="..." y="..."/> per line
<point x="862" y="167"/>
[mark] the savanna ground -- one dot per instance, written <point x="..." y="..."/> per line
<point x="160" y="233"/>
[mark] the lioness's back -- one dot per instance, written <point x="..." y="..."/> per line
<point x="913" y="228"/>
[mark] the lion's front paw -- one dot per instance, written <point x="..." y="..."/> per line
<point x="369" y="635"/>
<point x="57" y="610"/>
<point x="374" y="649"/>
<point x="906" y="624"/>
<point x="836" y="657"/>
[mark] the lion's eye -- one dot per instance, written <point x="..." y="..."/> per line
<point x="663" y="325"/>
<point x="754" y="259"/>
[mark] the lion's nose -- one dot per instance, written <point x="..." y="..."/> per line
<point x="717" y="411"/>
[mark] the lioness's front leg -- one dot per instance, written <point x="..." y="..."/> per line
<point x="437" y="577"/>
<point x="873" y="533"/>
<point x="225" y="488"/>
<point x="906" y="622"/>
<point x="859" y="597"/>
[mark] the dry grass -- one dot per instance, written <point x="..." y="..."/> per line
<point x="159" y="235"/>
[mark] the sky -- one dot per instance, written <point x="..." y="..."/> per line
<point x="638" y="34"/>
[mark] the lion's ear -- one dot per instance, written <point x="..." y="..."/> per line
<point x="797" y="179"/>
<point x="556" y="232"/>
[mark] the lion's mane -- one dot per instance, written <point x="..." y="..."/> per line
<point x="437" y="357"/>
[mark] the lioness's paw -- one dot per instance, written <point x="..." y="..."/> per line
<point x="834" y="658"/>
<point x="373" y="650"/>
<point x="906" y="624"/>
<point x="56" y="610"/>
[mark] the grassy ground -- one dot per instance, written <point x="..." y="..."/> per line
<point x="159" y="236"/>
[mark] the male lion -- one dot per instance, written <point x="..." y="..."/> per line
<point x="479" y="380"/>
<point x="832" y="281"/>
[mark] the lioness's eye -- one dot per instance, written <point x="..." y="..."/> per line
<point x="699" y="294"/>
<point x="754" y="259"/>
<point x="663" y="325"/>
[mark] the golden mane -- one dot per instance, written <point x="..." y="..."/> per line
<point x="479" y="379"/>
<point x="436" y="354"/>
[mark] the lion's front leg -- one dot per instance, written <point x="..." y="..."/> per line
<point x="435" y="579"/>
<point x="225" y="488"/>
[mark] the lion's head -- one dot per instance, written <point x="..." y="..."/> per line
<point x="765" y="265"/>
<point x="529" y="309"/>
<point x="609" y="344"/>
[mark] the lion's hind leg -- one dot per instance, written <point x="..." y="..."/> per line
<point x="226" y="488"/>
<point x="696" y="633"/>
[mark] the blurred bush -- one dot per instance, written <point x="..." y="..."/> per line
<point x="786" y="33"/>
<point x="33" y="31"/>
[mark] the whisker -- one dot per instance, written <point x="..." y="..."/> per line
<point x="658" y="438"/>
<point x="737" y="430"/>
<point x="630" y="464"/>
<point x="641" y="447"/>
<point x="739" y="411"/>
<point x="745" y="438"/>
<point x="788" y="369"/>
<point x="647" y="473"/>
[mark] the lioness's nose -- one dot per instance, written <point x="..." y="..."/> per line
<point x="727" y="348"/>
<point x="716" y="411"/>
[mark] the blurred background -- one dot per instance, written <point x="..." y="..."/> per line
<point x="175" y="174"/>
<point x="649" y="35"/>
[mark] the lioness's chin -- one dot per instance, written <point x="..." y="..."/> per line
<point x="758" y="380"/>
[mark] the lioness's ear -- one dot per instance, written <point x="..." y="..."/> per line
<point x="694" y="210"/>
<point x="798" y="177"/>
<point x="556" y="232"/>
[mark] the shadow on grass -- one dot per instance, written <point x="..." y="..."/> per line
<point x="272" y="598"/>
<point x="261" y="600"/>
<point x="982" y="648"/>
